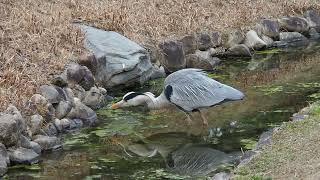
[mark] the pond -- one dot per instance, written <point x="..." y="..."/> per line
<point x="139" y="144"/>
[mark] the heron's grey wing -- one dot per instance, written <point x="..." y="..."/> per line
<point x="192" y="88"/>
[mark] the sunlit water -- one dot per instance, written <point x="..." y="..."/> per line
<point x="140" y="144"/>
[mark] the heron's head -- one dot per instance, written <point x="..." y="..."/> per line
<point x="133" y="99"/>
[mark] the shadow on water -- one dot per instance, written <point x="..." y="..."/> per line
<point x="140" y="144"/>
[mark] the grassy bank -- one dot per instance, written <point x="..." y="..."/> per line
<point x="37" y="38"/>
<point x="294" y="152"/>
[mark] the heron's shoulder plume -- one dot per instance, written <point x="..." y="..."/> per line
<point x="131" y="95"/>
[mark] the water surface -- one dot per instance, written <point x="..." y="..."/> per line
<point x="139" y="144"/>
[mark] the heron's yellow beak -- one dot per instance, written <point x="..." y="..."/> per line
<point x="116" y="105"/>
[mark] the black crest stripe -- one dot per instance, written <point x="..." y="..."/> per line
<point x="132" y="95"/>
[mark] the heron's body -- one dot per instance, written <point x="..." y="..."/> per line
<point x="189" y="90"/>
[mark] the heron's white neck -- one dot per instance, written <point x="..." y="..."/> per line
<point x="157" y="102"/>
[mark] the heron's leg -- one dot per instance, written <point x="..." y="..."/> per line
<point x="204" y="119"/>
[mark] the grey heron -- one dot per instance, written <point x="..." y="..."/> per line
<point x="188" y="89"/>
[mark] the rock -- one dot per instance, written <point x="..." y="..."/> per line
<point x="174" y="56"/>
<point x="94" y="98"/>
<point x="189" y="44"/>
<point x="294" y="24"/>
<point x="77" y="74"/>
<point x="48" y="143"/>
<point x="83" y="112"/>
<point x="79" y="92"/>
<point x="4" y="160"/>
<point x="120" y="61"/>
<point x="235" y="37"/>
<point x="246" y="157"/>
<point x="253" y="41"/>
<point x="4" y="154"/>
<point x="36" y="122"/>
<point x="76" y="123"/>
<point x="89" y="61"/>
<point x="218" y="51"/>
<point x="221" y="176"/>
<point x="204" y="41"/>
<point x="36" y="147"/>
<point x="313" y="19"/>
<point x="50" y="130"/>
<point x="60" y="81"/>
<point x="269" y="41"/>
<point x="102" y="90"/>
<point x="88" y="79"/>
<point x="3" y="167"/>
<point x="58" y="125"/>
<point x="314" y="34"/>
<point x="69" y="94"/>
<point x="50" y="93"/>
<point x="39" y="105"/>
<point x="62" y="109"/>
<point x="270" y="28"/>
<point x="65" y="123"/>
<point x="25" y="142"/>
<point x="23" y="156"/>
<point x="9" y="130"/>
<point x="239" y="50"/>
<point x="292" y="36"/>
<point x="21" y="123"/>
<point x="216" y="39"/>
<point x="202" y="60"/>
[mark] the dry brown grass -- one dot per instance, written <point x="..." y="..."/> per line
<point x="36" y="37"/>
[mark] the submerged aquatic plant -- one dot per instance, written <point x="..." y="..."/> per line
<point x="270" y="89"/>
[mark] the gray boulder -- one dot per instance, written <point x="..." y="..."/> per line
<point x="204" y="41"/>
<point x="3" y="167"/>
<point x="270" y="28"/>
<point x="313" y="19"/>
<point x="62" y="109"/>
<point x="253" y="41"/>
<point x="94" y="98"/>
<point x="25" y="142"/>
<point x="202" y="60"/>
<point x="269" y="41"/>
<point x="50" y="93"/>
<point x="23" y="156"/>
<point x="57" y="123"/>
<point x="36" y="122"/>
<point x="65" y="123"/>
<point x="216" y="39"/>
<point x="9" y="130"/>
<point x="294" y="24"/>
<point x="48" y="143"/>
<point x="50" y="130"/>
<point x="83" y="112"/>
<point x="59" y="81"/>
<point x="4" y="160"/>
<point x="189" y="44"/>
<point x="76" y="123"/>
<point x="292" y="36"/>
<point x="239" y="50"/>
<point x="174" y="56"/>
<point x="4" y="154"/>
<point x="234" y="37"/>
<point x="77" y="74"/>
<point x="17" y="117"/>
<point x="36" y="147"/>
<point x="314" y="34"/>
<point x="119" y="61"/>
